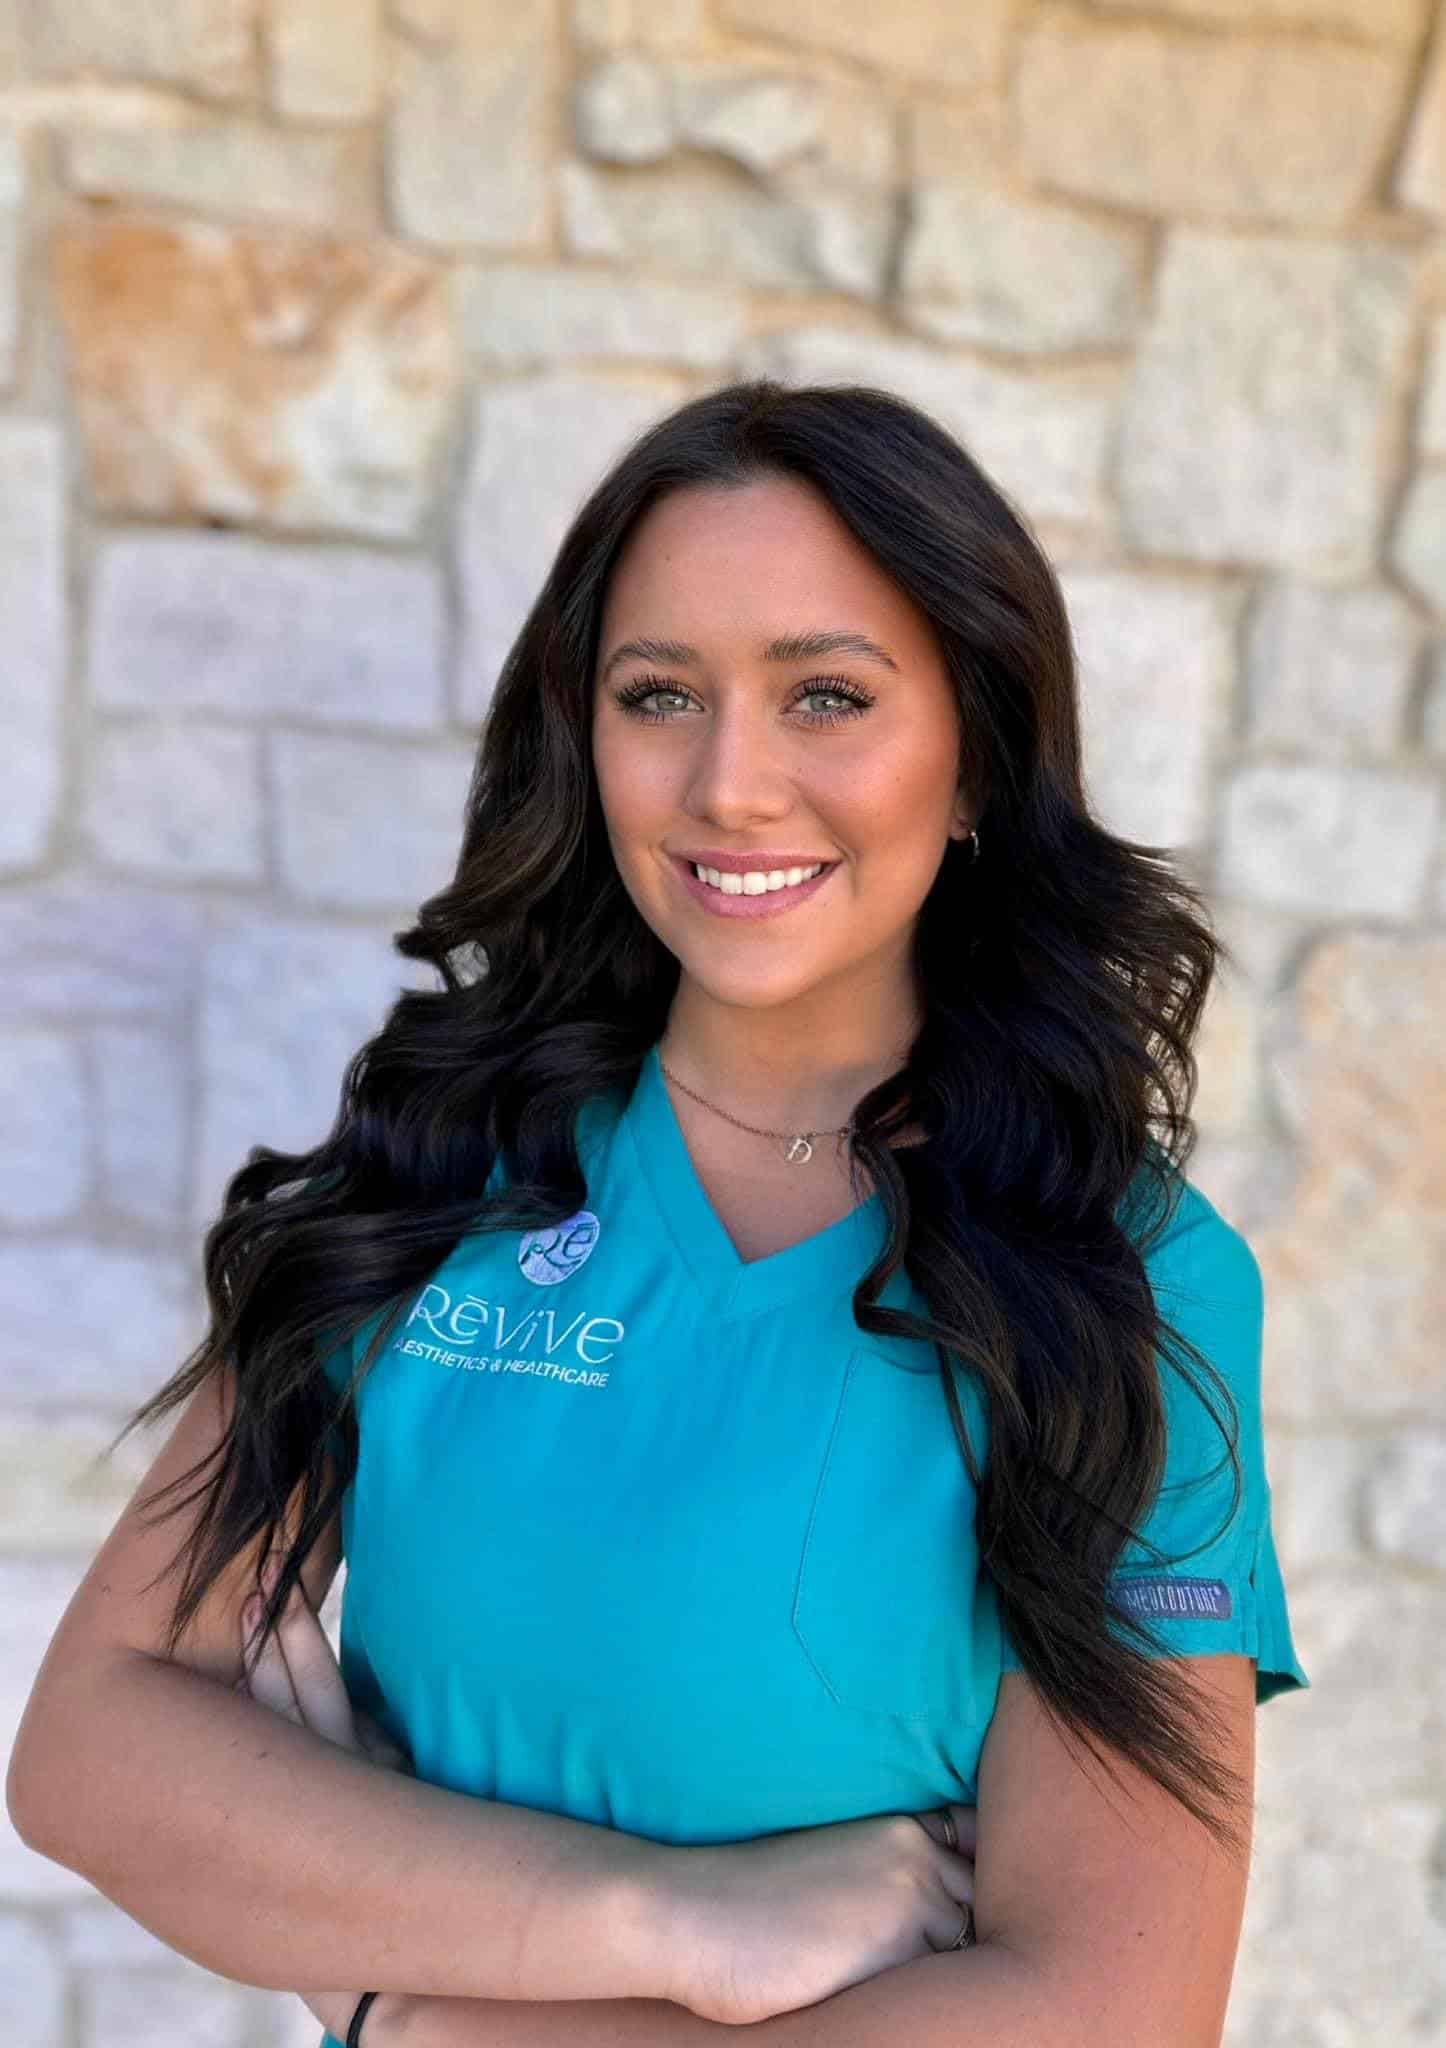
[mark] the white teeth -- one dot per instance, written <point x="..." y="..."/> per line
<point x="756" y="882"/>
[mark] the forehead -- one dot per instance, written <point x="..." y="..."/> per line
<point x="728" y="569"/>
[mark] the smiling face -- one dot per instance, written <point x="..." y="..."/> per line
<point x="727" y="741"/>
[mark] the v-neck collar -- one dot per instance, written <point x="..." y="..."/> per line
<point x="831" y="1258"/>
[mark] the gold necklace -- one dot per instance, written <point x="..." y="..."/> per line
<point x="799" y="1148"/>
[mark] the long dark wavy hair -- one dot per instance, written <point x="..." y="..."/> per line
<point x="1063" y="976"/>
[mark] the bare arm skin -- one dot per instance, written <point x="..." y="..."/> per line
<point x="265" y="1852"/>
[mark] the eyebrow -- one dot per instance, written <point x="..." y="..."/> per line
<point x="787" y="647"/>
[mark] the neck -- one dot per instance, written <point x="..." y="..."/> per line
<point x="777" y="1072"/>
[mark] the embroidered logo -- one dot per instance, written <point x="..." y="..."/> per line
<point x="1200" y="1599"/>
<point x="550" y="1255"/>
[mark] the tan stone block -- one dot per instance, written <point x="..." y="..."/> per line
<point x="1329" y="671"/>
<point x="469" y="141"/>
<point x="58" y="1488"/>
<point x="1355" y="1270"/>
<point x="945" y="45"/>
<point x="651" y="24"/>
<point x="1418" y="545"/>
<point x="1386" y="21"/>
<point x="1227" y="1050"/>
<point x="1258" y="400"/>
<point x="205" y="44"/>
<point x="243" y="169"/>
<point x="1349" y="1948"/>
<point x="276" y="378"/>
<point x="1421" y="178"/>
<point x="980" y="264"/>
<point x="1045" y="437"/>
<point x="1201" y="126"/>
<point x="325" y="58"/>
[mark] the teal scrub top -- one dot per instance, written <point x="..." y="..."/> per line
<point x="654" y="1536"/>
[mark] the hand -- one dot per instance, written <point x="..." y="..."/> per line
<point x="293" y="1672"/>
<point x="780" y="1921"/>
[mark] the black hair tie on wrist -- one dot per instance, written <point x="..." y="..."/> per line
<point x="363" y="2007"/>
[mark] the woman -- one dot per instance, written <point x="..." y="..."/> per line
<point x="728" y="1312"/>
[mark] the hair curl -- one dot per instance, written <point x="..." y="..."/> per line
<point x="1063" y="979"/>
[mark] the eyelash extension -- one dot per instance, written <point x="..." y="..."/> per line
<point x="632" y="696"/>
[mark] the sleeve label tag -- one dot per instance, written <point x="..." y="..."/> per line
<point x="1199" y="1599"/>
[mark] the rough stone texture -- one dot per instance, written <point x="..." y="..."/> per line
<point x="1421" y="175"/>
<point x="58" y="1489"/>
<point x="78" y="945"/>
<point x="770" y="117"/>
<point x="1355" y="1271"/>
<point x="633" y="109"/>
<point x="1433" y="720"/>
<point x="653" y="24"/>
<point x="1330" y="671"/>
<point x="467" y="142"/>
<point x="1396" y="21"/>
<point x="1318" y="1485"/>
<point x="13" y="186"/>
<point x="1418" y="546"/>
<point x="538" y="446"/>
<point x="46" y="1167"/>
<point x="1042" y="438"/>
<point x="284" y="1003"/>
<point x="32" y="605"/>
<point x="164" y="2009"/>
<point x="623" y="110"/>
<point x="1252" y="424"/>
<point x="142" y="1131"/>
<point x="980" y="265"/>
<point x="176" y="800"/>
<point x="206" y="45"/>
<point x="271" y="378"/>
<point x="243" y="628"/>
<point x="1329" y="841"/>
<point x="958" y="141"/>
<point x="32" y="1984"/>
<point x="1406" y="1499"/>
<point x="1205" y="125"/>
<point x="1156" y="664"/>
<point x="1431" y="414"/>
<point x="701" y="220"/>
<point x="1298" y="1981"/>
<point x="1228" y="1097"/>
<point x="242" y="169"/>
<point x="962" y="47"/>
<point x="88" y="1322"/>
<point x="518" y="314"/>
<point x="364" y="822"/>
<point x="325" y="58"/>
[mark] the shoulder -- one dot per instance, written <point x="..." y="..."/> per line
<point x="1199" y="1258"/>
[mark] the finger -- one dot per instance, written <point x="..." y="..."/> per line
<point x="942" y="1923"/>
<point x="314" y="1672"/>
<point x="966" y="1826"/>
<point x="267" y="1678"/>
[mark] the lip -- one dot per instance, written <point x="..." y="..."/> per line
<point x="773" y="903"/>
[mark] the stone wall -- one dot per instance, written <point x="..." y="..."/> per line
<point x="316" y="322"/>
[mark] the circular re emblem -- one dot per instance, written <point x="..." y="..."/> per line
<point x="548" y="1255"/>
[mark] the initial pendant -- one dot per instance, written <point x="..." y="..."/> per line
<point x="799" y="1152"/>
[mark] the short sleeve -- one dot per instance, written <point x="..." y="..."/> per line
<point x="1217" y="1584"/>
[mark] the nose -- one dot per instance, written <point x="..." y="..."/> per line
<point x="739" y="769"/>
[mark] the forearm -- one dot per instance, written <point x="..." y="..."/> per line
<point x="986" y="1993"/>
<point x="272" y="1856"/>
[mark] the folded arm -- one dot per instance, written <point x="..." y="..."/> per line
<point x="1101" y="1924"/>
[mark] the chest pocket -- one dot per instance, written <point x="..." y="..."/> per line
<point x="884" y="1598"/>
